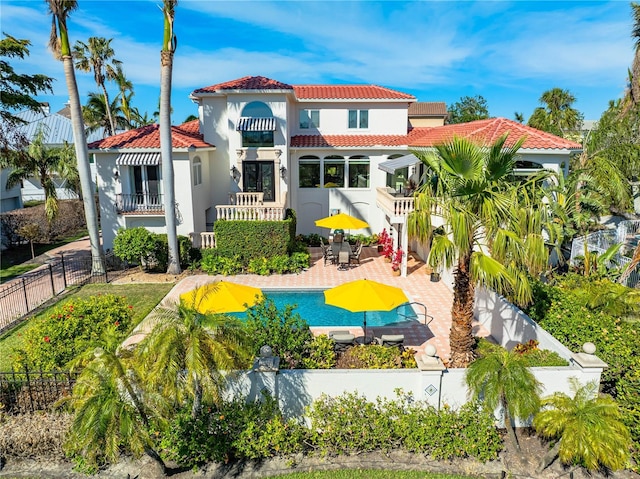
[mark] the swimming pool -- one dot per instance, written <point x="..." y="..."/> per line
<point x="312" y="308"/>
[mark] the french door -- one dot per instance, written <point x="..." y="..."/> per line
<point x="259" y="176"/>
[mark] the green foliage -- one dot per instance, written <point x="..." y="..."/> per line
<point x="373" y="356"/>
<point x="253" y="239"/>
<point x="134" y="245"/>
<point x="214" y="262"/>
<point x="285" y="331"/>
<point x="557" y="114"/>
<point x="350" y="424"/>
<point x="312" y="239"/>
<point x="73" y="328"/>
<point x="563" y="309"/>
<point x="468" y="109"/>
<point x="320" y="354"/>
<point x="531" y="354"/>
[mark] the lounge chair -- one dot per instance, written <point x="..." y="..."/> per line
<point x="391" y="341"/>
<point x="342" y="340"/>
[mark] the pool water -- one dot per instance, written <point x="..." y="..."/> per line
<point x="312" y="308"/>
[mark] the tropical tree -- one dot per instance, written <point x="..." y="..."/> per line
<point x="126" y="94"/>
<point x="112" y="407"/>
<point x="557" y="114"/>
<point x="97" y="55"/>
<point x="61" y="47"/>
<point x="519" y="117"/>
<point x="634" y="75"/>
<point x="17" y="92"/>
<point x="471" y="196"/>
<point x="42" y="162"/>
<point x="138" y="119"/>
<point x="588" y="429"/>
<point x="166" y="71"/>
<point x="96" y="114"/>
<point x="502" y="379"/>
<point x="468" y="109"/>
<point x="187" y="353"/>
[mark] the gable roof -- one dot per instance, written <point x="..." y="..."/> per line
<point x="488" y="131"/>
<point x="246" y="83"/>
<point x="186" y="135"/>
<point x="349" y="92"/>
<point x="428" y="108"/>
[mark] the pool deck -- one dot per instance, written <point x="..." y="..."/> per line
<point x="436" y="296"/>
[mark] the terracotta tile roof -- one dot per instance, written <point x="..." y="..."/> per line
<point x="350" y="92"/>
<point x="319" y="141"/>
<point x="428" y="108"/>
<point x="182" y="136"/>
<point x="488" y="131"/>
<point x="246" y="83"/>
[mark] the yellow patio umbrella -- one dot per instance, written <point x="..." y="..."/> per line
<point x="222" y="297"/>
<point x="341" y="221"/>
<point x="365" y="295"/>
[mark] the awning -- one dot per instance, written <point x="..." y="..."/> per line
<point x="138" y="159"/>
<point x="390" y="166"/>
<point x="256" y="124"/>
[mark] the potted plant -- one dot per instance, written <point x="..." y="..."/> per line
<point x="382" y="239"/>
<point x="397" y="261"/>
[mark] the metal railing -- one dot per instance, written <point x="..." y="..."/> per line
<point x="30" y="391"/>
<point x="139" y="203"/>
<point x="26" y="293"/>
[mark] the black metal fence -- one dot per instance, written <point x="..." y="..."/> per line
<point x="30" y="391"/>
<point x="31" y="290"/>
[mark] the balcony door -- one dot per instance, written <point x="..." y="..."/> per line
<point x="259" y="176"/>
<point x="146" y="185"/>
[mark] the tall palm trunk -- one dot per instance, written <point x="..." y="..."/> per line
<point x="166" y="68"/>
<point x="108" y="106"/>
<point x="84" y="170"/>
<point x="461" y="337"/>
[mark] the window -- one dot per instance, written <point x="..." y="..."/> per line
<point x="359" y="172"/>
<point x="146" y="185"/>
<point x="257" y="125"/>
<point x="309" y="172"/>
<point x="197" y="171"/>
<point x="334" y="172"/>
<point x="309" y="119"/>
<point x="257" y="138"/>
<point x="358" y="118"/>
<point x="399" y="178"/>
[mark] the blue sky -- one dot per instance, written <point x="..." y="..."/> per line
<point x="508" y="52"/>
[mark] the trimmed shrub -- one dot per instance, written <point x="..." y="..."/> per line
<point x="320" y="354"/>
<point x="72" y="329"/>
<point x="373" y="356"/>
<point x="135" y="245"/>
<point x="252" y="239"/>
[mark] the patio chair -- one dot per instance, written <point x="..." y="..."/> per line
<point x="355" y="246"/>
<point x="342" y="340"/>
<point x="391" y="341"/>
<point x="327" y="255"/>
<point x="355" y="256"/>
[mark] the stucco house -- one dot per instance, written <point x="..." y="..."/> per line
<point x="260" y="146"/>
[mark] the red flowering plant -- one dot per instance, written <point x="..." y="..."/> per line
<point x="386" y="241"/>
<point x="397" y="259"/>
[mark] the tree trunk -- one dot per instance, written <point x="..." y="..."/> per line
<point x="635" y="79"/>
<point x="511" y="434"/>
<point x="156" y="457"/>
<point x="549" y="457"/>
<point x="108" y="107"/>
<point x="84" y="170"/>
<point x="460" y="337"/>
<point x="167" y="164"/>
<point x="197" y="399"/>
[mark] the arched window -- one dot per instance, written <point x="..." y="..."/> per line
<point x="309" y="171"/>
<point x="197" y="171"/>
<point x="257" y="125"/>
<point x="334" y="171"/>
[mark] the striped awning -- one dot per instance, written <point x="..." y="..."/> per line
<point x="138" y="159"/>
<point x="256" y="124"/>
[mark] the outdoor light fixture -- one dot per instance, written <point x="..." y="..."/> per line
<point x="235" y="173"/>
<point x="116" y="175"/>
<point x="283" y="172"/>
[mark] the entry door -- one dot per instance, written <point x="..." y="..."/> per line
<point x="258" y="176"/>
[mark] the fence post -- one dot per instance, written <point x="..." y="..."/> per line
<point x="53" y="286"/>
<point x="26" y="298"/>
<point x="26" y="372"/>
<point x="64" y="271"/>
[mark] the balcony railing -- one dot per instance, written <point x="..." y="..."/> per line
<point x="249" y="207"/>
<point x="139" y="204"/>
<point x="395" y="206"/>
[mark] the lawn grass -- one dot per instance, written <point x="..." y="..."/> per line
<point x="372" y="474"/>
<point x="142" y="296"/>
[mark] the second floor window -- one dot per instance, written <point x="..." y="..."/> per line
<point x="358" y="118"/>
<point x="197" y="171"/>
<point x="309" y="119"/>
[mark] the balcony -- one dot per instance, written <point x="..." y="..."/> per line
<point x="139" y="204"/>
<point x="396" y="207"/>
<point x="249" y="207"/>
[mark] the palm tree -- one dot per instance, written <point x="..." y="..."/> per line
<point x="185" y="353"/>
<point x="138" y="119"/>
<point x="589" y="429"/>
<point x="97" y="55"/>
<point x="166" y="70"/>
<point x="42" y="162"/>
<point x="60" y="45"/>
<point x="470" y="192"/>
<point x="126" y="93"/>
<point x="634" y="88"/>
<point x="111" y="407"/>
<point x="96" y="114"/>
<point x="557" y="116"/>
<point x="502" y="379"/>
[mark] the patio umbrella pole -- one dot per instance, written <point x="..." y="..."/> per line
<point x="364" y="340"/>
